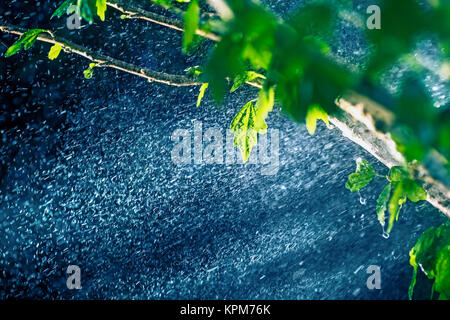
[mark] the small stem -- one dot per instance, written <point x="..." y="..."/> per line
<point x="106" y="61"/>
<point x="137" y="13"/>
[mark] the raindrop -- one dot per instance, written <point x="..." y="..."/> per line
<point x="362" y="200"/>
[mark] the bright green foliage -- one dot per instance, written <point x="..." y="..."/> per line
<point x="191" y="22"/>
<point x="245" y="131"/>
<point x="86" y="8"/>
<point x="403" y="190"/>
<point x="201" y="93"/>
<point x="432" y="254"/>
<point x="243" y="78"/>
<point x="398" y="198"/>
<point x="361" y="177"/>
<point x="250" y="121"/>
<point x="264" y="104"/>
<point x="401" y="187"/>
<point x="25" y="41"/>
<point x="246" y="41"/>
<point x="54" y="51"/>
<point x="194" y="71"/>
<point x="397" y="173"/>
<point x="168" y="3"/>
<point x="62" y="9"/>
<point x="89" y="72"/>
<point x="382" y="202"/>
<point x="314" y="113"/>
<point x="101" y="9"/>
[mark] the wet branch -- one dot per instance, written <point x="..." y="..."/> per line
<point x="106" y="61"/>
<point x="136" y="13"/>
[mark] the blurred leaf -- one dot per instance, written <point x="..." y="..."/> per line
<point x="88" y="73"/>
<point x="62" y="9"/>
<point x="314" y="20"/>
<point x="401" y="23"/>
<point x="314" y="113"/>
<point x="87" y="8"/>
<point x="432" y="253"/>
<point x="224" y="62"/>
<point x="101" y="9"/>
<point x="194" y="71"/>
<point x="397" y="173"/>
<point x="191" y="21"/>
<point x="243" y="78"/>
<point x="264" y="104"/>
<point x="413" y="191"/>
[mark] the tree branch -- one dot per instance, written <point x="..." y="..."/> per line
<point x="357" y="123"/>
<point x="106" y="61"/>
<point x="137" y="13"/>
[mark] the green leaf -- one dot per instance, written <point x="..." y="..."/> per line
<point x="194" y="71"/>
<point x="264" y="104"/>
<point x="242" y="78"/>
<point x="402" y="190"/>
<point x="62" y="9"/>
<point x="413" y="191"/>
<point x="432" y="253"/>
<point x="245" y="130"/>
<point x="382" y="203"/>
<point x="397" y="200"/>
<point x="87" y="9"/>
<point x="16" y="46"/>
<point x="361" y="177"/>
<point x="54" y="51"/>
<point x="398" y="173"/>
<point x="101" y="9"/>
<point x="413" y="279"/>
<point x="25" y="41"/>
<point x="442" y="282"/>
<point x="89" y="72"/>
<point x="191" y="21"/>
<point x="202" y="93"/>
<point x="314" y="113"/>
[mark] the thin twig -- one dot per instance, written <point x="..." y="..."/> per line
<point x="106" y="61"/>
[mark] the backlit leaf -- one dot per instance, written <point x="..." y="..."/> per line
<point x="361" y="177"/>
<point x="191" y="21"/>
<point x="201" y="93"/>
<point x="382" y="202"/>
<point x="62" y="9"/>
<point x="314" y="113"/>
<point x="101" y="9"/>
<point x="432" y="253"/>
<point x="54" y="51"/>
<point x="25" y="41"/>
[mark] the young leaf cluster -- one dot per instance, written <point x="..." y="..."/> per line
<point x="401" y="187"/>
